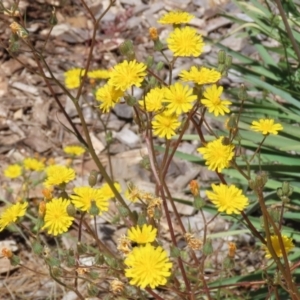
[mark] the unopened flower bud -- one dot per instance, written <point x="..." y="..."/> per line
<point x="142" y="219"/>
<point x="194" y="187"/>
<point x="47" y="193"/>
<point x="53" y="18"/>
<point x="153" y="33"/>
<point x="94" y="209"/>
<point x="231" y="249"/>
<point x="221" y="57"/>
<point x="92" y="290"/>
<point x="207" y="247"/>
<point x="228" y="61"/>
<point x="71" y="210"/>
<point x="56" y="272"/>
<point x="42" y="209"/>
<point x="149" y="61"/>
<point x="160" y="66"/>
<point x="124" y="212"/>
<point x="287" y="189"/>
<point x="228" y="262"/>
<point x="199" y="202"/>
<point x="242" y="94"/>
<point x="82" y="248"/>
<point x="174" y="251"/>
<point x="37" y="247"/>
<point x="93" y="178"/>
<point x="126" y="47"/>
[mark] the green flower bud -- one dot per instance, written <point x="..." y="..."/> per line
<point x="81" y="248"/>
<point x="71" y="210"/>
<point x="109" y="137"/>
<point x="99" y="259"/>
<point x="126" y="47"/>
<point x="57" y="272"/>
<point x="228" y="61"/>
<point x="52" y="262"/>
<point x="53" y="19"/>
<point x="93" y="275"/>
<point x="130" y="100"/>
<point x="198" y="202"/>
<point x="242" y="94"/>
<point x="158" y="45"/>
<point x="94" y="210"/>
<point x="93" y="178"/>
<point x="124" y="212"/>
<point x="149" y="61"/>
<point x="287" y="190"/>
<point x="207" y="247"/>
<point x="160" y="66"/>
<point x="174" y="251"/>
<point x="14" y="260"/>
<point x="228" y="263"/>
<point x="92" y="290"/>
<point x="142" y="219"/>
<point x="221" y="57"/>
<point x="37" y="247"/>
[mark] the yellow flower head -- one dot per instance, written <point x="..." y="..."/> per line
<point x="83" y="197"/>
<point x="13" y="171"/>
<point x="217" y="155"/>
<point x="148" y="266"/>
<point x="142" y="235"/>
<point x="175" y="17"/>
<point x="153" y="100"/>
<point x="73" y="78"/>
<point x="164" y="125"/>
<point x="133" y="194"/>
<point x="200" y="76"/>
<point x="33" y="164"/>
<point x="180" y="98"/>
<point x="153" y="33"/>
<point x="98" y="74"/>
<point x="228" y="199"/>
<point x="109" y="96"/>
<point x="74" y="150"/>
<point x="57" y="219"/>
<point x="11" y="214"/>
<point x="213" y="101"/>
<point x="126" y="74"/>
<point x="287" y="243"/>
<point x="185" y="42"/>
<point x="266" y="126"/>
<point x="106" y="191"/>
<point x="57" y="174"/>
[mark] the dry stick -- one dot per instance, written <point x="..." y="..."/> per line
<point x="154" y="294"/>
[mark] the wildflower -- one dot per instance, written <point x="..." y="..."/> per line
<point x="153" y="100"/>
<point x="194" y="187"/>
<point x="148" y="266"/>
<point x="42" y="209"/>
<point x="98" y="74"/>
<point x="154" y="204"/>
<point x="213" y="101"/>
<point x="179" y="98"/>
<point x="74" y="150"/>
<point x="6" y="253"/>
<point x="200" y="76"/>
<point x="133" y="194"/>
<point x="107" y="192"/>
<point x="13" y="171"/>
<point x="124" y="245"/>
<point x="231" y="249"/>
<point x="57" y="220"/>
<point x="116" y="286"/>
<point x="11" y="214"/>
<point x="228" y="199"/>
<point x="33" y="164"/>
<point x="47" y="193"/>
<point x="127" y="74"/>
<point x="287" y="243"/>
<point x="109" y="96"/>
<point x="185" y="42"/>
<point x="193" y="243"/>
<point x="175" y="17"/>
<point x="153" y="33"/>
<point x="266" y="126"/>
<point x="217" y="155"/>
<point x="57" y="174"/>
<point x="73" y="78"/>
<point x="164" y="125"/>
<point x="142" y="235"/>
<point x="83" y="197"/>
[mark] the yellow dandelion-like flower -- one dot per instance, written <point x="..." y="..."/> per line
<point x="106" y="191"/>
<point x="185" y="42"/>
<point x="57" y="219"/>
<point x="127" y="74"/>
<point x="12" y="213"/>
<point x="266" y="126"/>
<point x="83" y="197"/>
<point x="148" y="266"/>
<point x="213" y="101"/>
<point x="74" y="150"/>
<point x="99" y="74"/>
<point x="200" y="76"/>
<point x="142" y="235"/>
<point x="13" y="171"/>
<point x="33" y="164"/>
<point x="179" y="98"/>
<point x="175" y="17"/>
<point x="109" y="96"/>
<point x="164" y="125"/>
<point x="228" y="199"/>
<point x="153" y="100"/>
<point x="217" y="155"/>
<point x="287" y="243"/>
<point x="57" y="174"/>
<point x="73" y="78"/>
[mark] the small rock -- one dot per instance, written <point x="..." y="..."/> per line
<point x="128" y="137"/>
<point x="122" y="110"/>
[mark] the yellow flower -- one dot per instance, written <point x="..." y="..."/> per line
<point x="99" y="74"/>
<point x="144" y="235"/>
<point x="175" y="17"/>
<point x="83" y="197"/>
<point x="148" y="266"/>
<point x="185" y="42"/>
<point x="153" y="100"/>
<point x="109" y="96"/>
<point x="13" y="171"/>
<point x="74" y="150"/>
<point x="57" y="219"/>
<point x="106" y="191"/>
<point x="153" y="33"/>
<point x="287" y="243"/>
<point x="217" y="155"/>
<point x="126" y="74"/>
<point x="200" y="76"/>
<point x="164" y="125"/>
<point x="57" y="174"/>
<point x="266" y="126"/>
<point x="11" y="214"/>
<point x="179" y="98"/>
<point x="213" y="101"/>
<point x="33" y="164"/>
<point x="228" y="199"/>
<point x="73" y="78"/>
<point x="133" y="194"/>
